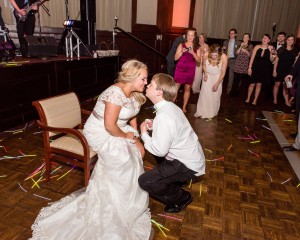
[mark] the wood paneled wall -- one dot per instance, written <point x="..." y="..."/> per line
<point x="21" y="85"/>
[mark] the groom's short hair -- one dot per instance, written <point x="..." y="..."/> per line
<point x="167" y="84"/>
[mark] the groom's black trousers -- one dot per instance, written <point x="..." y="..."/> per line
<point x="159" y="182"/>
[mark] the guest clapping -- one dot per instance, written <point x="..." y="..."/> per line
<point x="241" y="64"/>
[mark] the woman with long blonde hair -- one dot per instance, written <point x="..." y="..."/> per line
<point x="113" y="206"/>
<point x="214" y="69"/>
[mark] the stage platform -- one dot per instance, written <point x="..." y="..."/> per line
<point x="27" y="79"/>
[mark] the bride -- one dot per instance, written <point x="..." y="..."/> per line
<point x="113" y="206"/>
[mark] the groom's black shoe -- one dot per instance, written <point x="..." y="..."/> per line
<point x="289" y="148"/>
<point x="179" y="207"/>
<point x="181" y="184"/>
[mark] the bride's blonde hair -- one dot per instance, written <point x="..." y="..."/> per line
<point x="130" y="71"/>
<point x="215" y="48"/>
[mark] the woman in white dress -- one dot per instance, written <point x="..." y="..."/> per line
<point x="113" y="206"/>
<point x="198" y="74"/>
<point x="214" y="69"/>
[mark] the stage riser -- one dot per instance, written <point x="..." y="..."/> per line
<point x="21" y="85"/>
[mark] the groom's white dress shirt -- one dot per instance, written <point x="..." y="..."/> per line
<point x="174" y="138"/>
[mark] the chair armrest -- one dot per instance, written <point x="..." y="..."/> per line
<point x="86" y="112"/>
<point x="71" y="131"/>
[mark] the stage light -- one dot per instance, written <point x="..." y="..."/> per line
<point x="72" y="24"/>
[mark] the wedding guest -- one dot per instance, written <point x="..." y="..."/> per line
<point x="295" y="95"/>
<point x="174" y="140"/>
<point x="171" y="64"/>
<point x="241" y="64"/>
<point x="198" y="74"/>
<point x="285" y="59"/>
<point x="281" y="36"/>
<point x="187" y="54"/>
<point x="295" y="73"/>
<point x="2" y="25"/>
<point x="260" y="67"/>
<point x="113" y="206"/>
<point x="214" y="69"/>
<point x="229" y="47"/>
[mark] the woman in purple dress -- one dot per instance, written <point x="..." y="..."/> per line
<point x="187" y="54"/>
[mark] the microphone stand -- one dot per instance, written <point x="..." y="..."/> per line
<point x="67" y="9"/>
<point x="274" y="31"/>
<point x="114" y="34"/>
<point x="46" y="9"/>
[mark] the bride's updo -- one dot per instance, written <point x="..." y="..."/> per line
<point x="130" y="71"/>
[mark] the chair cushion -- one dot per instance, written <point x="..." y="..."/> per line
<point x="71" y="144"/>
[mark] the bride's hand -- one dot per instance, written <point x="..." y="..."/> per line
<point x="129" y="135"/>
<point x="215" y="87"/>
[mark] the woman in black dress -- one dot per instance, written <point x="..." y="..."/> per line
<point x="283" y="64"/>
<point x="259" y="67"/>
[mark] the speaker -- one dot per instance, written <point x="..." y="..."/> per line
<point x="88" y="20"/>
<point x="40" y="46"/>
<point x="88" y="32"/>
<point x="88" y="10"/>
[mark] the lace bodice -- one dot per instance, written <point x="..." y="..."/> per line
<point x="114" y="94"/>
<point x="211" y="69"/>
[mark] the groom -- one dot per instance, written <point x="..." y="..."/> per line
<point x="174" y="139"/>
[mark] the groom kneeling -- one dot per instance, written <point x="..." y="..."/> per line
<point x="174" y="139"/>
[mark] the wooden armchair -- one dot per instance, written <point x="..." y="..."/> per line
<point x="61" y="121"/>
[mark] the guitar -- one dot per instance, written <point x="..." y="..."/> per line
<point x="28" y="10"/>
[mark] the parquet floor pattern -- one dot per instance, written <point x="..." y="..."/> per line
<point x="244" y="195"/>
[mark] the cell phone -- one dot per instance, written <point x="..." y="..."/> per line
<point x="289" y="84"/>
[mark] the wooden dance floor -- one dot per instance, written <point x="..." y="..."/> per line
<point x="249" y="191"/>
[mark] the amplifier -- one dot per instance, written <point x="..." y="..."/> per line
<point x="40" y="46"/>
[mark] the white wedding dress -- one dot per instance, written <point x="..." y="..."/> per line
<point x="113" y="206"/>
<point x="208" y="104"/>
